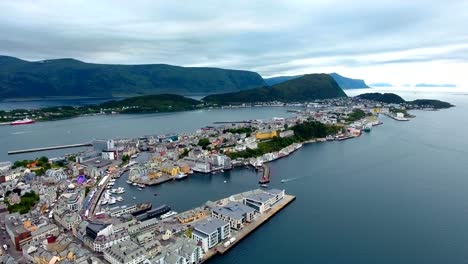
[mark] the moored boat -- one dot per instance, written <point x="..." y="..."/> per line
<point x="22" y="122"/>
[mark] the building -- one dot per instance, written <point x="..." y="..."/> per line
<point x="211" y="232"/>
<point x="19" y="235"/>
<point x="198" y="164"/>
<point x="56" y="174"/>
<point x="286" y="133"/>
<point x="43" y="231"/>
<point x="170" y="169"/>
<point x="183" y="250"/>
<point x="221" y="162"/>
<point x="127" y="252"/>
<point x="266" y="135"/>
<point x="101" y="145"/>
<point x="235" y="213"/>
<point x="264" y="200"/>
<point x="191" y="215"/>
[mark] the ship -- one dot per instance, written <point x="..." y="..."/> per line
<point x="22" y="122"/>
<point x="141" y="208"/>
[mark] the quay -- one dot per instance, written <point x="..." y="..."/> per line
<point x="397" y="118"/>
<point x="266" y="174"/>
<point x="232" y="122"/>
<point x="249" y="228"/>
<point x="13" y="152"/>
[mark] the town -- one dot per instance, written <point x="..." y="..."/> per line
<point x="66" y="209"/>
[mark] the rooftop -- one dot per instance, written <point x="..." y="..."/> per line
<point x="210" y="225"/>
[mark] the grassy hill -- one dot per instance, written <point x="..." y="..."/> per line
<point x="69" y="77"/>
<point x="389" y="98"/>
<point x="153" y="103"/>
<point x="306" y="88"/>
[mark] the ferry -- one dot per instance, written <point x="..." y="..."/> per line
<point x="22" y="122"/>
<point x="167" y="215"/>
<point x="181" y="176"/>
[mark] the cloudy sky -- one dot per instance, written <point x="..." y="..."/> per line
<point x="397" y="41"/>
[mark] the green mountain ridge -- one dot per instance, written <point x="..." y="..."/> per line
<point x="391" y="98"/>
<point x="306" y="88"/>
<point x="70" y="77"/>
<point x="343" y="82"/>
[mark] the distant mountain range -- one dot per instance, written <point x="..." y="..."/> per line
<point x="435" y="85"/>
<point x="69" y="77"/>
<point x="343" y="82"/>
<point x="380" y="85"/>
<point x="306" y="88"/>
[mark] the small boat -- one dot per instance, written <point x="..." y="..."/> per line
<point x="155" y="194"/>
<point x="119" y="199"/>
<point x="135" y="184"/>
<point x="112" y="200"/>
<point x="140" y="189"/>
<point x="264" y="185"/>
<point x="129" y="182"/>
<point x="169" y="214"/>
<point x="134" y="197"/>
<point x="213" y="172"/>
<point x="181" y="176"/>
<point x="141" y="185"/>
<point x="222" y="170"/>
<point x="283" y="181"/>
<point x="103" y="202"/>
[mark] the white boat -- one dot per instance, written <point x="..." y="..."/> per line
<point x="140" y="189"/>
<point x="119" y="199"/>
<point x="264" y="185"/>
<point x="181" y="176"/>
<point x="113" y="190"/>
<point x="283" y="181"/>
<point x="103" y="202"/>
<point x="129" y="182"/>
<point x="169" y="214"/>
<point x="134" y="184"/>
<point x="120" y="190"/>
<point x="112" y="200"/>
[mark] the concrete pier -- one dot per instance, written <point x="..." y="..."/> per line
<point x="249" y="228"/>
<point x="13" y="152"/>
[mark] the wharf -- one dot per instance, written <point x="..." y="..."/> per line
<point x="13" y="152"/>
<point x="266" y="174"/>
<point x="249" y="228"/>
<point x="397" y="118"/>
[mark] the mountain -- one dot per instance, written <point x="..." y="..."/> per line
<point x="276" y="80"/>
<point x="348" y="83"/>
<point x="343" y="82"/>
<point x="380" y="85"/>
<point x="435" y="85"/>
<point x="69" y="77"/>
<point x="389" y="98"/>
<point x="306" y="88"/>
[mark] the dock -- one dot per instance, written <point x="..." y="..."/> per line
<point x="13" y="152"/>
<point x="266" y="174"/>
<point x="397" y="118"/>
<point x="249" y="228"/>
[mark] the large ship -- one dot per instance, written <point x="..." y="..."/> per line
<point x="22" y="122"/>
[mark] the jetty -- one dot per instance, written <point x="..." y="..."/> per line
<point x="249" y="228"/>
<point x="266" y="174"/>
<point x="13" y="152"/>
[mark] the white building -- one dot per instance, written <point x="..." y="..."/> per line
<point x="127" y="252"/>
<point x="211" y="232"/>
<point x="235" y="213"/>
<point x="263" y="201"/>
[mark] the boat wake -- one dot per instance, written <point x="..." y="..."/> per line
<point x="21" y="132"/>
<point x="290" y="179"/>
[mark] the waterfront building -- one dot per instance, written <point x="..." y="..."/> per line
<point x="198" y="164"/>
<point x="235" y="213"/>
<point x="263" y="201"/>
<point x="170" y="169"/>
<point x="101" y="145"/>
<point x="211" y="232"/>
<point x="183" y="250"/>
<point x="192" y="215"/>
<point x="127" y="252"/>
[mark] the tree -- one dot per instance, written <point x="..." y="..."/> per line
<point x="125" y="158"/>
<point x="203" y="142"/>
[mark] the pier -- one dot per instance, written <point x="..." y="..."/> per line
<point x="249" y="228"/>
<point x="13" y="152"/>
<point x="266" y="174"/>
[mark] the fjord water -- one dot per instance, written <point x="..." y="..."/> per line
<point x="398" y="194"/>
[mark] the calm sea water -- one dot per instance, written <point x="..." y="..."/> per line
<point x="396" y="195"/>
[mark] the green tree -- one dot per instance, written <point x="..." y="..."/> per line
<point x="203" y="142"/>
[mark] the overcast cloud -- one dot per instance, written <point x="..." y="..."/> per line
<point x="379" y="41"/>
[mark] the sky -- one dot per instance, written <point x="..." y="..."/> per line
<point x="398" y="41"/>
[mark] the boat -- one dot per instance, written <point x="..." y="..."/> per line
<point x="112" y="200"/>
<point x="119" y="190"/>
<point x="134" y="197"/>
<point x="135" y="184"/>
<point x="264" y="185"/>
<point x="368" y="127"/>
<point x="283" y="181"/>
<point x="141" y="185"/>
<point x="22" y="122"/>
<point x="129" y="182"/>
<point x="181" y="176"/>
<point x="119" y="199"/>
<point x="155" y="194"/>
<point x="167" y="215"/>
<point x="140" y="189"/>
<point x="103" y="202"/>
